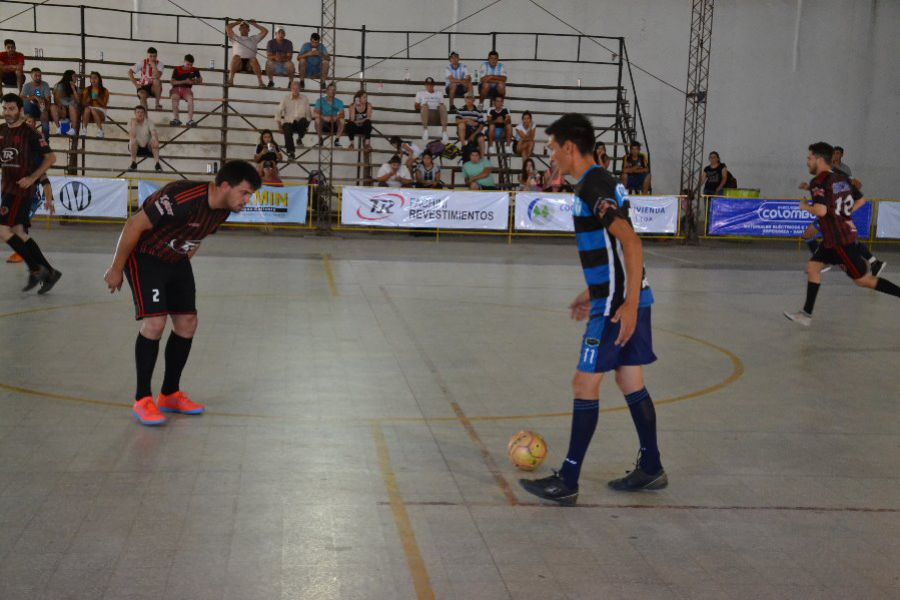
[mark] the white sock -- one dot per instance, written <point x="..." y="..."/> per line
<point x="425" y="134"/>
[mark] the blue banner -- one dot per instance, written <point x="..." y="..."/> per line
<point x="271" y="205"/>
<point x="753" y="217"/>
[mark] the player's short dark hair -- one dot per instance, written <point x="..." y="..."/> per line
<point x="527" y="113"/>
<point x="394" y="159"/>
<point x="235" y="172"/>
<point x="395" y="141"/>
<point x="139" y="107"/>
<point x="493" y="53"/>
<point x="635" y="144"/>
<point x="151" y="50"/>
<point x="716" y="153"/>
<point x="822" y="150"/>
<point x="839" y="149"/>
<point x="12" y="98"/>
<point x="189" y="58"/>
<point x="575" y="128"/>
<point x="315" y="36"/>
<point x="36" y="70"/>
<point x="8" y="42"/>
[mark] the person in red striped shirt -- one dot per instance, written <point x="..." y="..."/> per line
<point x="153" y="253"/>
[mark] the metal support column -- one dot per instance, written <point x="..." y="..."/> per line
<point x="324" y="193"/>
<point x="695" y="112"/>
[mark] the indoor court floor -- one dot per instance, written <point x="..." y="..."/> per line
<point x="360" y="393"/>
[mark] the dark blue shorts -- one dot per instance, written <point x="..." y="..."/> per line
<point x="636" y="182"/>
<point x="599" y="353"/>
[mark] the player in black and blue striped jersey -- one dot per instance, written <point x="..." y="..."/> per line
<point x="616" y="304"/>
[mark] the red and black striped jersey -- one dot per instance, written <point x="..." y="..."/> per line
<point x="181" y="218"/>
<point x="834" y="191"/>
<point x="22" y="151"/>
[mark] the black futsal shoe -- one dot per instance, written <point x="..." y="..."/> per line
<point x="877" y="267"/>
<point x="551" y="489"/>
<point x="49" y="281"/>
<point x="35" y="277"/>
<point x="639" y="479"/>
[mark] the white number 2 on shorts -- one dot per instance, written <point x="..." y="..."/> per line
<point x="156" y="295"/>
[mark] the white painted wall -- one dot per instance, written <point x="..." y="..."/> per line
<point x="763" y="109"/>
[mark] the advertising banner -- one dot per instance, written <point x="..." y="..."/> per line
<point x="419" y="208"/>
<point x="88" y="197"/>
<point x="769" y="218"/>
<point x="537" y="211"/>
<point x="269" y="205"/>
<point x="888" y="221"/>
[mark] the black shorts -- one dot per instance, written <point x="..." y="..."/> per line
<point x="245" y="65"/>
<point x="148" y="89"/>
<point x="160" y="288"/>
<point x="16" y="208"/>
<point x="849" y="256"/>
<point x="144" y="151"/>
<point x="459" y="92"/>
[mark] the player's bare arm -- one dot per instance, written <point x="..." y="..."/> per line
<point x="27" y="182"/>
<point x="135" y="226"/>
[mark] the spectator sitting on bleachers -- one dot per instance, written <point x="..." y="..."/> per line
<point x="470" y="126"/>
<point x="312" y="60"/>
<point x="184" y="77"/>
<point x="142" y="138"/>
<point x="243" y="49"/>
<point x="523" y="145"/>
<point x="714" y="176"/>
<point x="457" y="81"/>
<point x="529" y="179"/>
<point x="12" y="67"/>
<point x="499" y="122"/>
<point x="393" y="173"/>
<point x="280" y="57"/>
<point x="430" y="104"/>
<point x="636" y="170"/>
<point x="410" y="151"/>
<point x="553" y="181"/>
<point x="493" y="78"/>
<point x="329" y="114"/>
<point x="94" y="100"/>
<point x="428" y="173"/>
<point x="37" y="97"/>
<point x="146" y="76"/>
<point x="270" y="175"/>
<point x="267" y="151"/>
<point x="360" y="123"/>
<point x="478" y="172"/>
<point x="601" y="157"/>
<point x="65" y="104"/>
<point x="293" y="117"/>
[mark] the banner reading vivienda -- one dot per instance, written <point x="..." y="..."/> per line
<point x="537" y="211"/>
<point x="769" y="218"/>
<point x="419" y="208"/>
<point x="888" y="220"/>
<point x="87" y="197"/>
<point x="269" y="205"/>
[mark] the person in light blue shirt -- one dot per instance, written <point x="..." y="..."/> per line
<point x="329" y="114"/>
<point x="478" y="172"/>
<point x="493" y="78"/>
<point x="313" y="60"/>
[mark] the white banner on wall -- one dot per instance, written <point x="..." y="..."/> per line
<point x="271" y="205"/>
<point x="88" y="197"/>
<point x="537" y="211"/>
<point x="888" y="224"/>
<point x="444" y="209"/>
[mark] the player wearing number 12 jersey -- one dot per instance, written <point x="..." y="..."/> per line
<point x="834" y="198"/>
<point x="154" y="253"/>
<point x="616" y="304"/>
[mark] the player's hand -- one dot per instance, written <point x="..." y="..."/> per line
<point x="113" y="279"/>
<point x="804" y="186"/>
<point x="580" y="308"/>
<point x="49" y="206"/>
<point x="626" y="317"/>
<point x="26" y="182"/>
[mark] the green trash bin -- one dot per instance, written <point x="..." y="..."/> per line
<point x="741" y="192"/>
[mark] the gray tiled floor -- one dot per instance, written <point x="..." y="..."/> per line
<point x="355" y="441"/>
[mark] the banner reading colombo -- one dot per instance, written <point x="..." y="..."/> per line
<point x="538" y="211"/>
<point x="443" y="209"/>
<point x="769" y="218"/>
<point x="270" y="205"/>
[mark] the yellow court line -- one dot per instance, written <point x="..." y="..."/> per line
<point x="329" y="274"/>
<point x="414" y="560"/>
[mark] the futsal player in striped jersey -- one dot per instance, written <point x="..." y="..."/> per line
<point x="153" y="253"/>
<point x="616" y="304"/>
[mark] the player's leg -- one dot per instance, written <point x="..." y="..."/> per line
<point x="254" y="66"/>
<point x="648" y="473"/>
<point x="12" y="231"/>
<point x="270" y="72"/>
<point x="814" y="269"/>
<point x="154" y="150"/>
<point x="181" y="293"/>
<point x="876" y="266"/>
<point x="175" y="96"/>
<point x="233" y="68"/>
<point x="857" y="268"/>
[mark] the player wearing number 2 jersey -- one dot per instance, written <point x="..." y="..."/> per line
<point x="834" y="199"/>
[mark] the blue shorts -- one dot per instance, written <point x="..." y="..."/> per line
<point x="636" y="182"/>
<point x="497" y="133"/>
<point x="599" y="353"/>
<point x="313" y="69"/>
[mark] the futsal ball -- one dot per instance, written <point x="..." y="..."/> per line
<point x="526" y="450"/>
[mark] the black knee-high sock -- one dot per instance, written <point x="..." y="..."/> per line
<point x="644" y="416"/>
<point x="145" y="352"/>
<point x="36" y="253"/>
<point x="177" y="350"/>
<point x="19" y="247"/>
<point x="812" y="290"/>
<point x="887" y="287"/>
<point x="584" y="422"/>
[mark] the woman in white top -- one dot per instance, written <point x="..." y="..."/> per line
<point x="525" y="132"/>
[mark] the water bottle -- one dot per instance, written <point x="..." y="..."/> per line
<point x="212" y="64"/>
<point x="101" y="55"/>
<point x="579" y="82"/>
<point x="406" y="76"/>
<point x="209" y="168"/>
<point x="36" y="53"/>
